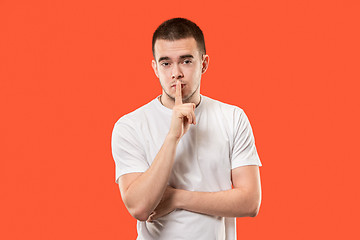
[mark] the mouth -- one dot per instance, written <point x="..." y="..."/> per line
<point x="174" y="86"/>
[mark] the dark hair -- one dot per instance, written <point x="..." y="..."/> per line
<point x="179" y="28"/>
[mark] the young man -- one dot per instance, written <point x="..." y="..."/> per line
<point x="178" y="157"/>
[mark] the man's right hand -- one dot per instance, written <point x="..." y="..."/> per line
<point x="183" y="115"/>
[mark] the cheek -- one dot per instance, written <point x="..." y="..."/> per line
<point x="196" y="72"/>
<point x="163" y="72"/>
<point x="163" y="77"/>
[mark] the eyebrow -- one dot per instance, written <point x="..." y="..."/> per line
<point x="181" y="57"/>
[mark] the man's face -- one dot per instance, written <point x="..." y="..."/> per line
<point x="179" y="59"/>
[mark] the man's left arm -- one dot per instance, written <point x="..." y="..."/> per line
<point x="241" y="201"/>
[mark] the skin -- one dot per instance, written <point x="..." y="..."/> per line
<point x="179" y="65"/>
<point x="179" y="60"/>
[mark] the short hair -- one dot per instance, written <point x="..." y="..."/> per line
<point x="179" y="28"/>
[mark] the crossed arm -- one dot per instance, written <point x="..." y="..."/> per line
<point x="149" y="200"/>
<point x="241" y="201"/>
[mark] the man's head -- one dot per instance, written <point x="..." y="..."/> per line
<point x="179" y="28"/>
<point x="179" y="54"/>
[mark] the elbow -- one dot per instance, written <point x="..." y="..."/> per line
<point x="254" y="210"/>
<point x="255" y="206"/>
<point x="139" y="214"/>
<point x="136" y="209"/>
<point x="250" y="210"/>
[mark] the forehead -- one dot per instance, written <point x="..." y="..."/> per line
<point x="176" y="48"/>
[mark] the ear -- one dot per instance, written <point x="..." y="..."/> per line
<point x="205" y="63"/>
<point x="153" y="64"/>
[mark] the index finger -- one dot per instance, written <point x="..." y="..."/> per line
<point x="178" y="96"/>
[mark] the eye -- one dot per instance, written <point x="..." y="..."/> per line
<point x="187" y="61"/>
<point x="165" y="64"/>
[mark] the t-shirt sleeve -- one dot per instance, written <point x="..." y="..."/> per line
<point x="244" y="149"/>
<point x="127" y="150"/>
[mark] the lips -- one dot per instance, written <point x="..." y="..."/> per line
<point x="182" y="86"/>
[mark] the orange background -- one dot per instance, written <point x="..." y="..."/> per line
<point x="70" y="69"/>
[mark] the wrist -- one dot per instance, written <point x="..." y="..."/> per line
<point x="172" y="138"/>
<point x="180" y="198"/>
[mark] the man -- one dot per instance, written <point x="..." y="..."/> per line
<point x="178" y="157"/>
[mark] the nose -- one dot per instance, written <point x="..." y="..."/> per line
<point x="176" y="72"/>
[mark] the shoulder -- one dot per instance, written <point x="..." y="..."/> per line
<point x="225" y="108"/>
<point x="136" y="115"/>
<point x="131" y="122"/>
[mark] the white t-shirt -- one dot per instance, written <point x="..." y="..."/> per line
<point x="221" y="140"/>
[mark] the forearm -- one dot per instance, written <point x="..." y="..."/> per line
<point x="141" y="193"/>
<point x="144" y="194"/>
<point x="236" y="202"/>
